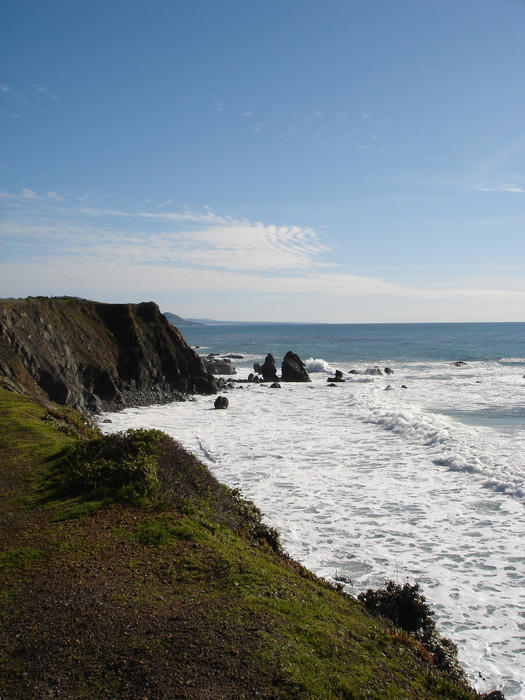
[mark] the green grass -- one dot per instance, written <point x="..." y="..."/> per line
<point x="163" y="531"/>
<point x="119" y="467"/>
<point x="31" y="431"/>
<point x="19" y="558"/>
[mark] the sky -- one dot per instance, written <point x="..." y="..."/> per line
<point x="287" y="160"/>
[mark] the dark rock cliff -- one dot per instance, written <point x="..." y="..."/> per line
<point x="95" y="356"/>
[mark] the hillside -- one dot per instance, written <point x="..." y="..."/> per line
<point x="95" y="356"/>
<point x="128" y="571"/>
<point x="179" y="321"/>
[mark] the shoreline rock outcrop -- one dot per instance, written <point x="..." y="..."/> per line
<point x="218" y="365"/>
<point x="96" y="357"/>
<point x="267" y="369"/>
<point x="293" y="369"/>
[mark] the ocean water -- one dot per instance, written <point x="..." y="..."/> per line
<point x="372" y="481"/>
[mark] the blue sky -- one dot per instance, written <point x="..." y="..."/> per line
<point x="339" y="161"/>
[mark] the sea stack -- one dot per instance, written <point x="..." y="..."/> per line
<point x="293" y="369"/>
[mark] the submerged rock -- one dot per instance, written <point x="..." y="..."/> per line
<point x="293" y="369"/>
<point x="221" y="402"/>
<point x="388" y="370"/>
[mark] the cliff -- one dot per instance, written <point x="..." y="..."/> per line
<point x="95" y="356"/>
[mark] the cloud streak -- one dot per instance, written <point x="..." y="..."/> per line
<point x="52" y="244"/>
<point x="501" y="188"/>
<point x="195" y="239"/>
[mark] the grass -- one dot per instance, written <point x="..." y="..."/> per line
<point x="120" y="467"/>
<point x="19" y="558"/>
<point x="168" y="585"/>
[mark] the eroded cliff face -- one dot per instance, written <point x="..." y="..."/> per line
<point x="95" y="356"/>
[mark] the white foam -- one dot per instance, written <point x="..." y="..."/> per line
<point x="378" y="485"/>
<point x="317" y="365"/>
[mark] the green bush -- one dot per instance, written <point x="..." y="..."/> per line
<point x="121" y="467"/>
<point x="408" y="609"/>
<point x="403" y="605"/>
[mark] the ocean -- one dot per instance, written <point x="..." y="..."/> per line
<point x="371" y="481"/>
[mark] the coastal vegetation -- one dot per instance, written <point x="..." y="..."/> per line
<point x="128" y="571"/>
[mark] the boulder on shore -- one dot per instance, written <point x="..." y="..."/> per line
<point x="338" y="377"/>
<point x="293" y="369"/>
<point x="221" y="402"/>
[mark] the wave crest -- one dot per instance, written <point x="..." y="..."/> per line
<point x="317" y="365"/>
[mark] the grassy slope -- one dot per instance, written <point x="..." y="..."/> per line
<point x="178" y="598"/>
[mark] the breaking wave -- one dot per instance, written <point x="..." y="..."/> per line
<point x="457" y="447"/>
<point x="317" y="365"/>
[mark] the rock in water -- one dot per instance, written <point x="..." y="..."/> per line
<point x="218" y="365"/>
<point x="275" y="385"/>
<point x="293" y="369"/>
<point x="221" y="402"/>
<point x="268" y="369"/>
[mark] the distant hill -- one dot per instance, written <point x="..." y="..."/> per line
<point x="178" y="321"/>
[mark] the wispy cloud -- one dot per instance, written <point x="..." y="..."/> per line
<point x="198" y="239"/>
<point x="29" y="194"/>
<point x="44" y="91"/>
<point x="505" y="187"/>
<point x="55" y="196"/>
<point x="53" y="244"/>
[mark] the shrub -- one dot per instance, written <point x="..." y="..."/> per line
<point x="403" y="605"/>
<point x="408" y="609"/>
<point x="122" y="466"/>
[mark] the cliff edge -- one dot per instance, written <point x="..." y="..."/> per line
<point x="94" y="356"/>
